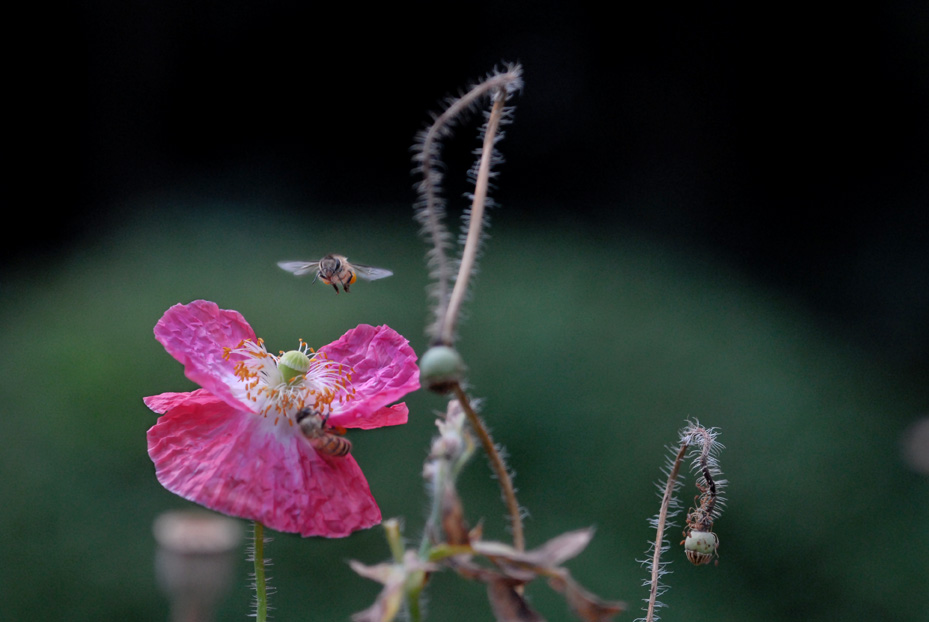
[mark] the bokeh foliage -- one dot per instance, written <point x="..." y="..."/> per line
<point x="589" y="347"/>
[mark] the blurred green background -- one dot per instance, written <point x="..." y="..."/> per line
<point x="709" y="211"/>
<point x="590" y="349"/>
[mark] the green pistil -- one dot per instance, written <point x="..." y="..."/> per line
<point x="293" y="364"/>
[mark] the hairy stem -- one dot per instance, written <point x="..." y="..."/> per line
<point x="469" y="255"/>
<point x="435" y="514"/>
<point x="414" y="608"/>
<point x="432" y="203"/>
<point x="659" y="531"/>
<point x="708" y="492"/>
<point x="498" y="466"/>
<point x="261" y="591"/>
<point x="430" y="207"/>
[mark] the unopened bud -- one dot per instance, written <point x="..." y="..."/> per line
<point x="700" y="547"/>
<point x="440" y="368"/>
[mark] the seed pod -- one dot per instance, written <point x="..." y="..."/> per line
<point x="700" y="547"/>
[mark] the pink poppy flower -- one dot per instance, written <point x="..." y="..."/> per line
<point x="234" y="445"/>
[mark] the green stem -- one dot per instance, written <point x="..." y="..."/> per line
<point x="261" y="592"/>
<point x="413" y="606"/>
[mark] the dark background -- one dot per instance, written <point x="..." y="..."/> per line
<point x="713" y="212"/>
<point x="794" y="140"/>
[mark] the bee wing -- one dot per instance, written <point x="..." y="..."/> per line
<point x="370" y="273"/>
<point x="299" y="267"/>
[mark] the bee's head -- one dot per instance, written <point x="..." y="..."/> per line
<point x="303" y="413"/>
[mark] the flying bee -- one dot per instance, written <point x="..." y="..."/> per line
<point x="324" y="440"/>
<point x="335" y="270"/>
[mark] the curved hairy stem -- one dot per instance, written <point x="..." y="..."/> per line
<point x="430" y="207"/>
<point x="478" y="203"/>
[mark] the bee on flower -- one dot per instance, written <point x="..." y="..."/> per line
<point x="236" y="446"/>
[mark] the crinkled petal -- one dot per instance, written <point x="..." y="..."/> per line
<point x="166" y="401"/>
<point x="384" y="370"/>
<point x="195" y="334"/>
<point x="239" y="464"/>
<point x="389" y="415"/>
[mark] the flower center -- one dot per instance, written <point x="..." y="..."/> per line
<point x="283" y="385"/>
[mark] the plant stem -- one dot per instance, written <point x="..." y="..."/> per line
<point x="499" y="468"/>
<point x="430" y="207"/>
<point x="261" y="594"/>
<point x="659" y="531"/>
<point x="469" y="254"/>
<point x="413" y="606"/>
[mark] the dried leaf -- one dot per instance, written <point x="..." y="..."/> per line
<point x="508" y="605"/>
<point x="477" y="532"/>
<point x="562" y="548"/>
<point x="583" y="604"/>
<point x="550" y="555"/>
<point x="395" y="578"/>
<point x="492" y="548"/>
<point x="385" y="607"/>
<point x="453" y="522"/>
<point x="514" y="568"/>
<point x="380" y="573"/>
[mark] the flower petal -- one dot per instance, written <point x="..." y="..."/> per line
<point x="389" y="415"/>
<point x="384" y="370"/>
<point x="166" y="401"/>
<point x="239" y="464"/>
<point x="195" y="334"/>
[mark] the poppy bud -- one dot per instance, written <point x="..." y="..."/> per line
<point x="700" y="547"/>
<point x="440" y="368"/>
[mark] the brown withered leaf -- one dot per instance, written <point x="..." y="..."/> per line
<point x="562" y="548"/>
<point x="388" y="602"/>
<point x="453" y="521"/>
<point x="514" y="568"/>
<point x="507" y="604"/>
<point x="549" y="555"/>
<point x="583" y="604"/>
<point x="394" y="577"/>
<point x="476" y="533"/>
<point x="465" y="567"/>
<point x="382" y="573"/>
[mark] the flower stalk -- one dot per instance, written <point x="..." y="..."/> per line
<point x="660" y="524"/>
<point x="443" y="369"/>
<point x="498" y="466"/>
<point x="261" y="584"/>
<point x="478" y="203"/>
<point x="430" y="207"/>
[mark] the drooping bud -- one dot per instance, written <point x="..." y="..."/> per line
<point x="293" y="364"/>
<point x="440" y="368"/>
<point x="700" y="547"/>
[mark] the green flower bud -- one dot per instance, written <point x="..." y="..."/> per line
<point x="440" y="368"/>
